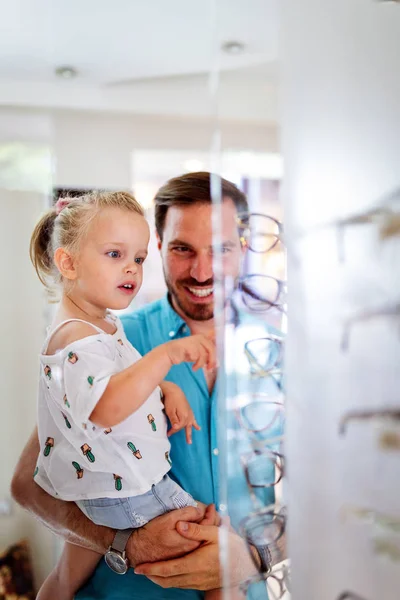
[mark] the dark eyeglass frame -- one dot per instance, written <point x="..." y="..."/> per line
<point x="245" y="288"/>
<point x="243" y="222"/>
<point x="276" y="458"/>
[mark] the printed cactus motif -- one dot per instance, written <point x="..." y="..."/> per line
<point x="36" y="471"/>
<point x="78" y="469"/>
<point x="87" y="451"/>
<point x="168" y="458"/>
<point x="68" y="424"/>
<point x="134" y="451"/>
<point x="152" y="422"/>
<point x="120" y="342"/>
<point x="72" y="357"/>
<point x="90" y="379"/>
<point x="107" y="431"/>
<point x="118" y="482"/>
<point x="67" y="404"/>
<point x="47" y="372"/>
<point x="48" y="446"/>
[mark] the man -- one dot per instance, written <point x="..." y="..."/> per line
<point x="171" y="542"/>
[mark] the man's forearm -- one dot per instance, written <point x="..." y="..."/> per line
<point x="155" y="541"/>
<point x="63" y="518"/>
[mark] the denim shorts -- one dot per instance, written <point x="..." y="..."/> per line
<point x="135" y="511"/>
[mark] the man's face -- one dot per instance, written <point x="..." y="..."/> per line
<point x="187" y="256"/>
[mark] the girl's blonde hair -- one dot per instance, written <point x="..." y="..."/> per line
<point x="67" y="227"/>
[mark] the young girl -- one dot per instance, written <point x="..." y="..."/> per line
<point x="102" y="428"/>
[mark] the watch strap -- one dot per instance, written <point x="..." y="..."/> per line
<point x="120" y="540"/>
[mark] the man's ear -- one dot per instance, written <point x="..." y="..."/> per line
<point x="65" y="264"/>
<point x="159" y="241"/>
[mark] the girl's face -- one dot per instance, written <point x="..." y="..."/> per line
<point x="109" y="263"/>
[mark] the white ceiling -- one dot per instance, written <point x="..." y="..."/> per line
<point x="147" y="56"/>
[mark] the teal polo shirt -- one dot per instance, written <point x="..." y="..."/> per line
<point x="195" y="467"/>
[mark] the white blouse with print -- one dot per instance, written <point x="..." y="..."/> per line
<point x="77" y="459"/>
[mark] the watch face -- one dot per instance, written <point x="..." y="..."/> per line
<point x="116" y="562"/>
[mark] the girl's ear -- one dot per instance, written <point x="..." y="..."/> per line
<point x="65" y="264"/>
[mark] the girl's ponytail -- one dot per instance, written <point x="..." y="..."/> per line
<point x="40" y="249"/>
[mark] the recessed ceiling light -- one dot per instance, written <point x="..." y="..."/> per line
<point x="233" y="47"/>
<point x="66" y="72"/>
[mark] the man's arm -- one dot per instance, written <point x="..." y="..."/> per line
<point x="63" y="518"/>
<point x="158" y="540"/>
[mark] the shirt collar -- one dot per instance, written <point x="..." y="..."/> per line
<point x="173" y="323"/>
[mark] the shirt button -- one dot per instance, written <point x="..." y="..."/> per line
<point x="215" y="451"/>
<point x="222" y="508"/>
<point x="171" y="333"/>
<point x="184" y="328"/>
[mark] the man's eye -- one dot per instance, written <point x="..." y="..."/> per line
<point x="181" y="249"/>
<point x="139" y="260"/>
<point x="221" y="249"/>
<point x="114" y="254"/>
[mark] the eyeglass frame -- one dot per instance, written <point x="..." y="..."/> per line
<point x="263" y="551"/>
<point x="279" y="406"/>
<point x="391" y="310"/>
<point x="279" y="340"/>
<point x="263" y="577"/>
<point x="276" y="458"/>
<point x="281" y="284"/>
<point x="350" y="596"/>
<point x="242" y="225"/>
<point x="381" y="413"/>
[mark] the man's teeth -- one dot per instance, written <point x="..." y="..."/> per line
<point x="201" y="293"/>
<point x="128" y="286"/>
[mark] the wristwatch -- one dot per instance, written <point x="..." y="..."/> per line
<point x="115" y="555"/>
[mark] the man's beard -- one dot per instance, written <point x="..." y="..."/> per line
<point x="197" y="312"/>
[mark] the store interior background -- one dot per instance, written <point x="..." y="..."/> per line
<point x="141" y="109"/>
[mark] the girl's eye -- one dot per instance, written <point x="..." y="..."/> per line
<point x="139" y="260"/>
<point x="114" y="254"/>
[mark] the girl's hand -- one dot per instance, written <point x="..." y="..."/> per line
<point x="198" y="349"/>
<point x="178" y="410"/>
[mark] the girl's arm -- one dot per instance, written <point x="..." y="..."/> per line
<point x="137" y="382"/>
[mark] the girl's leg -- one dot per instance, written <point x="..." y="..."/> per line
<point x="73" y="569"/>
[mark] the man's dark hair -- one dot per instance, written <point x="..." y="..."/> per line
<point x="192" y="188"/>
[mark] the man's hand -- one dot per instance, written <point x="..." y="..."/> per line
<point x="159" y="540"/>
<point x="201" y="568"/>
<point x="178" y="410"/>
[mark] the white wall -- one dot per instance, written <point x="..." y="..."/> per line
<point x="22" y="326"/>
<point x="341" y="146"/>
<point x="95" y="149"/>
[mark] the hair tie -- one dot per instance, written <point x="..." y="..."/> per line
<point x="61" y="204"/>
